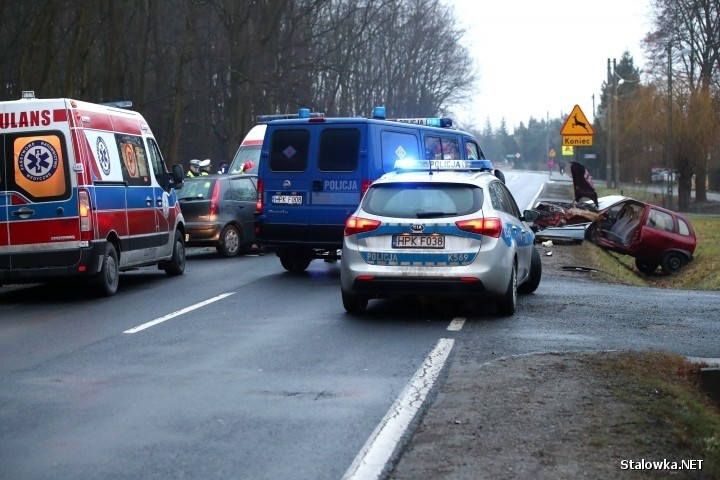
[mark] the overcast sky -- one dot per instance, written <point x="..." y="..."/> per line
<point x="539" y="57"/>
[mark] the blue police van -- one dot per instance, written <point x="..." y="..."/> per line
<point x="314" y="170"/>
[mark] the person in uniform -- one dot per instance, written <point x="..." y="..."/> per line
<point x="205" y="167"/>
<point x="194" y="168"/>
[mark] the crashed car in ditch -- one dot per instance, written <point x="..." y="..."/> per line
<point x="654" y="236"/>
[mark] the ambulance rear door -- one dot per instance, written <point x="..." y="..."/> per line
<point x="39" y="219"/>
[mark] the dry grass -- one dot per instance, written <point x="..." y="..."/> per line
<point x="671" y="406"/>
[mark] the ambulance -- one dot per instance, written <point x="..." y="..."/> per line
<point x="249" y="150"/>
<point x="84" y="194"/>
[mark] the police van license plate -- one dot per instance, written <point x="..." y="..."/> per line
<point x="287" y="199"/>
<point x="418" y="241"/>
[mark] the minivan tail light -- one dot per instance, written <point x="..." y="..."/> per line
<point x="355" y="225"/>
<point x="492" y="227"/>
<point x="84" y="211"/>
<point x="214" y="198"/>
<point x="364" y="186"/>
<point x="259" y="203"/>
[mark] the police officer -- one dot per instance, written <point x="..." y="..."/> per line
<point x="223" y="168"/>
<point x="205" y="167"/>
<point x="194" y="168"/>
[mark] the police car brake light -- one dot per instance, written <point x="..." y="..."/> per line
<point x="442" y="165"/>
<point x="490" y="226"/>
<point x="355" y="225"/>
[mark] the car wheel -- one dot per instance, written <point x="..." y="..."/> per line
<point x="354" y="303"/>
<point x="229" y="245"/>
<point x="645" y="267"/>
<point x="294" y="262"/>
<point x="508" y="304"/>
<point x="176" y="264"/>
<point x="109" y="276"/>
<point x="533" y="280"/>
<point x="672" y="262"/>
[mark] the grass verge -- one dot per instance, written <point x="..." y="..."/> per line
<point x="674" y="417"/>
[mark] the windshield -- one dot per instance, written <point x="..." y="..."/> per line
<point x="246" y="153"/>
<point x="420" y="200"/>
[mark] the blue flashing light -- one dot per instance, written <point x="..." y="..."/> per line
<point x="304" y="113"/>
<point x="379" y="113"/>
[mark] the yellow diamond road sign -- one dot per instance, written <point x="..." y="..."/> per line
<point x="577" y="124"/>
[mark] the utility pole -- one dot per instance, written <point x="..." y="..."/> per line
<point x="608" y="123"/>
<point x="616" y="156"/>
<point x="668" y="146"/>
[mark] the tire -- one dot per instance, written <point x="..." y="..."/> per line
<point x="508" y="304"/>
<point x="109" y="277"/>
<point x="176" y="264"/>
<point x="672" y="262"/>
<point x="533" y="281"/>
<point x="645" y="266"/>
<point x="295" y="262"/>
<point x="230" y="242"/>
<point x="354" y="303"/>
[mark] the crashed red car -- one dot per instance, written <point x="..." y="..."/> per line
<point x="654" y="236"/>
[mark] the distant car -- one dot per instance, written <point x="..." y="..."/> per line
<point x="219" y="211"/>
<point x="661" y="175"/>
<point x="653" y="235"/>
<point x="449" y="231"/>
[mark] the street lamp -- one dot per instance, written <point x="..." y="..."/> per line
<point x="613" y="133"/>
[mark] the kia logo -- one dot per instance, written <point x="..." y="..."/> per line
<point x="417" y="227"/>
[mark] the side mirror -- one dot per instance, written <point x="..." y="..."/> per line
<point x="530" y="215"/>
<point x="499" y="174"/>
<point x="178" y="175"/>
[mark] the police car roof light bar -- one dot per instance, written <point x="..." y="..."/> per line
<point x="28" y="94"/>
<point x="443" y="165"/>
<point x="118" y="104"/>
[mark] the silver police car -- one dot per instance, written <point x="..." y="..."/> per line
<point x="439" y="228"/>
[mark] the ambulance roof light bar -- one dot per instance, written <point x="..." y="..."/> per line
<point x="28" y="94"/>
<point x="118" y="104"/>
<point x="302" y="113"/>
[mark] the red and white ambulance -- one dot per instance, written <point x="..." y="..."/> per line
<point x="85" y="193"/>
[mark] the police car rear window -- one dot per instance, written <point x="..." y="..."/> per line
<point x="289" y="150"/>
<point x="421" y="200"/>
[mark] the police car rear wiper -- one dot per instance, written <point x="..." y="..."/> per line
<point x="435" y="214"/>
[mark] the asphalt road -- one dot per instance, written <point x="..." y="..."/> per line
<point x="238" y="369"/>
<point x="275" y="380"/>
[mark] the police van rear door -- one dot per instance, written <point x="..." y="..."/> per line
<point x="338" y="173"/>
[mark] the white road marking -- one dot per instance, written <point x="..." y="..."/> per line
<point x="178" y="313"/>
<point x="456" y="324"/>
<point x="373" y="458"/>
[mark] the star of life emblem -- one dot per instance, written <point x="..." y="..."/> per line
<point x="38" y="161"/>
<point x="103" y="156"/>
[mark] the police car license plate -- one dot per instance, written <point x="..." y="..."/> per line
<point x="418" y="241"/>
<point x="287" y="199"/>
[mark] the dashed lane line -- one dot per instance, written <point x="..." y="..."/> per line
<point x="178" y="313"/>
